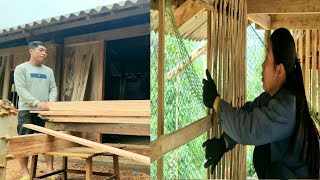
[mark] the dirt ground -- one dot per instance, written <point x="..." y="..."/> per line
<point x="13" y="171"/>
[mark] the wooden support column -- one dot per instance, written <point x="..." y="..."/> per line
<point x="6" y="82"/>
<point x="8" y="128"/>
<point x="161" y="46"/>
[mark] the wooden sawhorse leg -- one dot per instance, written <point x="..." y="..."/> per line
<point x="34" y="163"/>
<point x="89" y="168"/>
<point x="116" y="166"/>
<point x="64" y="168"/>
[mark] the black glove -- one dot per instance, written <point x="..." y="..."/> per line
<point x="215" y="148"/>
<point x="209" y="91"/>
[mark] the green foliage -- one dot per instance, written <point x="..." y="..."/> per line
<point x="182" y="107"/>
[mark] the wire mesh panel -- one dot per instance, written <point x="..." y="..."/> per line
<point x="183" y="93"/>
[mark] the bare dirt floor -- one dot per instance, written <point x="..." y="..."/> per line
<point x="13" y="171"/>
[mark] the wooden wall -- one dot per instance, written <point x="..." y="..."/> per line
<point x="308" y="46"/>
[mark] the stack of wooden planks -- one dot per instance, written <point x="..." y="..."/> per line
<point x="130" y="117"/>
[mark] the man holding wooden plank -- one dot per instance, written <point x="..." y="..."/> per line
<point x="35" y="85"/>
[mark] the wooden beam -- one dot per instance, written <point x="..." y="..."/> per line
<point x="33" y="144"/>
<point x="283" y="6"/>
<point x="120" y="152"/>
<point x="295" y="21"/>
<point x="263" y="20"/>
<point x="186" y="11"/>
<point x="114" y="34"/>
<point x="191" y="58"/>
<point x="169" y="142"/>
<point x="124" y="129"/>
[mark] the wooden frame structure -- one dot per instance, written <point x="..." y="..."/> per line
<point x="209" y="19"/>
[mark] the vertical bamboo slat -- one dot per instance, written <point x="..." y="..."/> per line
<point x="318" y="73"/>
<point x="307" y="65"/>
<point x="160" y="128"/>
<point x="314" y="66"/>
<point x="300" y="49"/>
<point x="209" y="67"/>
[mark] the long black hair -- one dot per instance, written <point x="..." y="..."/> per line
<point x="285" y="53"/>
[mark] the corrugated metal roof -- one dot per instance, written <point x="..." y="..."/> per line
<point x="76" y="15"/>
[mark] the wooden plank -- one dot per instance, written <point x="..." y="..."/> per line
<point x="104" y="120"/>
<point x="186" y="11"/>
<point x="307" y="66"/>
<point x="107" y="112"/>
<point x="169" y="142"/>
<point x="62" y="105"/>
<point x="161" y="47"/>
<point x="99" y="72"/>
<point x="295" y="21"/>
<point x="6" y="85"/>
<point x="68" y="74"/>
<point x="121" y="33"/>
<point x="120" y="152"/>
<point x="76" y="152"/>
<point x="263" y="20"/>
<point x="283" y="6"/>
<point x="314" y="68"/>
<point x="82" y="66"/>
<point x="111" y="128"/>
<point x="33" y="144"/>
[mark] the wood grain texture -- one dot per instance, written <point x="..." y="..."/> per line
<point x="120" y="152"/>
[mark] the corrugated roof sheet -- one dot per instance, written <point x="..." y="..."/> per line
<point x="76" y="15"/>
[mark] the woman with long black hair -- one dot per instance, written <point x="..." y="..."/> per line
<point x="277" y="122"/>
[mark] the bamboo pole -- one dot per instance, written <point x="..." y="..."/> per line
<point x="191" y="58"/>
<point x="319" y="73"/>
<point x="314" y="68"/>
<point x="307" y="66"/>
<point x="209" y="67"/>
<point x="161" y="80"/>
<point x="300" y="50"/>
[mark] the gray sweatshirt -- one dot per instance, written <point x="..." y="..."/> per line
<point x="34" y="84"/>
<point x="266" y="120"/>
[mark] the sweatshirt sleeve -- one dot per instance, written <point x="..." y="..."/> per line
<point x="248" y="106"/>
<point x="21" y="86"/>
<point x="259" y="125"/>
<point x="53" y="92"/>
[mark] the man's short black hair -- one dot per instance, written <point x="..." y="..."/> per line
<point x="35" y="44"/>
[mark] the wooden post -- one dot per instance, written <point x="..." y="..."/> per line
<point x="8" y="128"/>
<point x="318" y="73"/>
<point x="6" y="82"/>
<point x="161" y="46"/>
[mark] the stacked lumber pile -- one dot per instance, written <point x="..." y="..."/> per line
<point x="127" y="112"/>
<point x="6" y="108"/>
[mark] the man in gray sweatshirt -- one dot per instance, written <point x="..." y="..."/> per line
<point x="35" y="86"/>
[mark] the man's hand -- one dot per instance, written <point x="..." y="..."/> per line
<point x="209" y="91"/>
<point x="215" y="148"/>
<point x="42" y="106"/>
